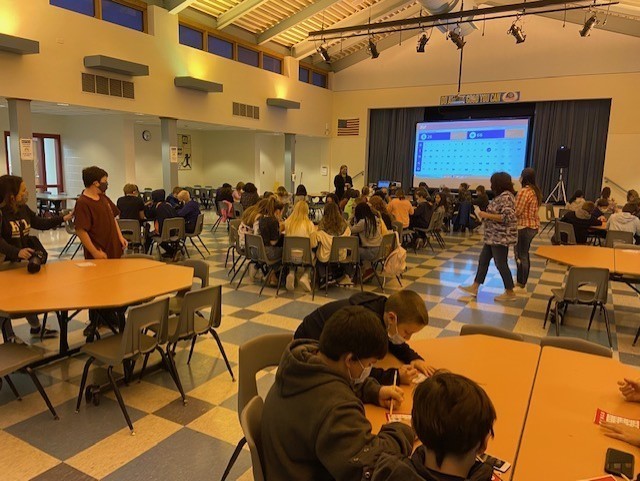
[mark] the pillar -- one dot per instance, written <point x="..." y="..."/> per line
<point x="290" y="162"/>
<point x="20" y="128"/>
<point x="169" y="136"/>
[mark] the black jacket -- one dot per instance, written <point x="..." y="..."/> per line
<point x="15" y="227"/>
<point x="339" y="182"/>
<point x="421" y="217"/>
<point x="581" y="223"/>
<point x="312" y="326"/>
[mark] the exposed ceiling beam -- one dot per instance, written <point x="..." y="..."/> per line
<point x="307" y="47"/>
<point x="293" y="20"/>
<point x="177" y="6"/>
<point x="240" y="10"/>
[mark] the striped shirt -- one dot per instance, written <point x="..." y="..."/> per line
<point x="527" y="209"/>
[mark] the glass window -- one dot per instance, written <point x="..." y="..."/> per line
<point x="303" y="74"/>
<point x="81" y="6"/>
<point x="272" y="64"/>
<point x="191" y="37"/>
<point x="248" y="56"/>
<point x="220" y="47"/>
<point x="319" y="79"/>
<point x="124" y="15"/>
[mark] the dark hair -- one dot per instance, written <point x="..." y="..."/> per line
<point x="9" y="190"/>
<point x="400" y="194"/>
<point x="227" y="185"/>
<point x="630" y="207"/>
<point x="606" y="193"/>
<point x="481" y="190"/>
<point x="602" y="203"/>
<point x="576" y="194"/>
<point x="501" y="182"/>
<point x="632" y="195"/>
<point x="93" y="174"/>
<point x="365" y="191"/>
<point x="528" y="176"/>
<point x="422" y="193"/>
<point x="356" y="330"/>
<point x="423" y="185"/>
<point x="158" y="195"/>
<point x="333" y="197"/>
<point x="351" y="194"/>
<point x="266" y="194"/>
<point x="588" y="206"/>
<point x="464" y="185"/>
<point x="408" y="306"/>
<point x="301" y="190"/>
<point x="443" y="200"/>
<point x="240" y="186"/>
<point x="249" y="188"/>
<point x="363" y="212"/>
<point x="451" y="415"/>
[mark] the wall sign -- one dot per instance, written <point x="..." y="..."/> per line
<point x="184" y="152"/>
<point x="486" y="98"/>
<point x="173" y="155"/>
<point x="26" y="149"/>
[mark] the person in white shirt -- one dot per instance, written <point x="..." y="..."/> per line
<point x="625" y="221"/>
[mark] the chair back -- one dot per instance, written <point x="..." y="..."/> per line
<point x="344" y="249"/>
<point x="618" y="237"/>
<point x="131" y="230"/>
<point x="587" y="285"/>
<point x="220" y="206"/>
<point x="238" y="210"/>
<point x="234" y="225"/>
<point x="193" y="303"/>
<point x="397" y="227"/>
<point x="200" y="270"/>
<point x="438" y="222"/>
<point x="567" y="229"/>
<point x="575" y="344"/>
<point x="254" y="248"/>
<point x="155" y="315"/>
<point x="562" y="212"/>
<point x="470" y="329"/>
<point x="386" y="246"/>
<point x="255" y="355"/>
<point x="251" y="422"/>
<point x="297" y="251"/>
<point x="172" y="229"/>
<point x="146" y="195"/>
<point x="199" y="225"/>
<point x="550" y="213"/>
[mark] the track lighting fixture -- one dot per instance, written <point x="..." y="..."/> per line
<point x="372" y="49"/>
<point x="591" y="22"/>
<point x="517" y="32"/>
<point x="457" y="39"/>
<point x="422" y="43"/>
<point x="324" y="53"/>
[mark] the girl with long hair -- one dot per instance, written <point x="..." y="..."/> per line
<point x="379" y="207"/>
<point x="576" y="200"/>
<point x="368" y="226"/>
<point x="528" y="203"/>
<point x="299" y="225"/>
<point x="332" y="225"/>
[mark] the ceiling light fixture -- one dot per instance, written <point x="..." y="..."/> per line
<point x="422" y="43"/>
<point x="324" y="53"/>
<point x="517" y="32"/>
<point x="457" y="39"/>
<point x="591" y="22"/>
<point x="372" y="49"/>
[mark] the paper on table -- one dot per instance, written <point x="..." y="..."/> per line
<point x="607" y="477"/>
<point x="603" y="416"/>
<point x="419" y="378"/>
<point x="399" y="418"/>
<point x="85" y="264"/>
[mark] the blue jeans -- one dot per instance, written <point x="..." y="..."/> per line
<point x="499" y="253"/>
<point x="525" y="236"/>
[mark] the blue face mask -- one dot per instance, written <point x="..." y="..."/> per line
<point x="366" y="372"/>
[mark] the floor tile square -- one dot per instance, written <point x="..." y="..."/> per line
<point x="63" y="472"/>
<point x="182" y="414"/>
<point x="21" y="460"/>
<point x="248" y="331"/>
<point x="295" y="310"/>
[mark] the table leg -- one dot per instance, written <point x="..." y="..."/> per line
<point x="63" y="321"/>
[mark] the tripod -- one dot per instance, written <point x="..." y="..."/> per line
<point x="558" y="193"/>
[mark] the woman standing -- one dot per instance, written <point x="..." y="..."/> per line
<point x="500" y="231"/>
<point x="528" y="203"/>
<point x="342" y="181"/>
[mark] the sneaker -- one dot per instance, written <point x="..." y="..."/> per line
<point x="290" y="284"/>
<point x="518" y="289"/>
<point x="469" y="290"/>
<point x="504" y="297"/>
<point x="305" y="283"/>
<point x="345" y="281"/>
<point x="47" y="334"/>
<point x="14" y="340"/>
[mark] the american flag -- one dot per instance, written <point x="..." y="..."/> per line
<point x="348" y="127"/>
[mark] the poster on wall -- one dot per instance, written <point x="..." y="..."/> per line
<point x="184" y="152"/>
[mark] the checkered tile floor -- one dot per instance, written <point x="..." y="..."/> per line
<point x="194" y="442"/>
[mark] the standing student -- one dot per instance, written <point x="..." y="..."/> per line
<point x="453" y="418"/>
<point x="528" y="203"/>
<point x="342" y="181"/>
<point x="299" y="225"/>
<point x="131" y="205"/>
<point x="500" y="232"/>
<point x="313" y="424"/>
<point x="95" y="218"/>
<point x="401" y="208"/>
<point x="402" y="315"/>
<point x="16" y="243"/>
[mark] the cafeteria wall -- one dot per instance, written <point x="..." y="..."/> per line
<point x="553" y="64"/>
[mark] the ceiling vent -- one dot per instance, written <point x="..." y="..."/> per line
<point x="244" y="110"/>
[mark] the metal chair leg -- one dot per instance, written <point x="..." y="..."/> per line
<point x="116" y="391"/>
<point x="193" y="345"/>
<point x="236" y="271"/>
<point x="234" y="458"/>
<point x="546" y="315"/>
<point x="144" y="366"/>
<point x="40" y="389"/>
<point x="83" y="382"/>
<point x="265" y="280"/>
<point x="204" y="245"/>
<point x="593" y="312"/>
<point x="606" y="323"/>
<point x="224" y="354"/>
<point x="76" y="251"/>
<point x="12" y="387"/>
<point x="174" y="368"/>
<point x="197" y="248"/>
<point x="242" y="276"/>
<point x="557" y="320"/>
<point x="172" y="373"/>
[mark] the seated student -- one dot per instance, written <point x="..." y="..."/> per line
<point x="313" y="424"/>
<point x="611" y="202"/>
<point x="299" y="225"/>
<point x="237" y="192"/>
<point x="602" y="207"/>
<point x="163" y="210"/>
<point x="332" y="197"/>
<point x="630" y="390"/>
<point x="249" y="196"/>
<point x="576" y="200"/>
<point x="401" y="208"/>
<point x="482" y="199"/>
<point x="172" y="199"/>
<point x="423" y="212"/>
<point x="581" y="220"/>
<point x="131" y="205"/>
<point x="402" y="315"/>
<point x="270" y="227"/>
<point x="301" y="193"/>
<point x="366" y="193"/>
<point x="332" y="225"/>
<point x="190" y="210"/>
<point x="224" y="193"/>
<point x="625" y="221"/>
<point x="369" y="228"/>
<point x="379" y="207"/>
<point x="453" y="418"/>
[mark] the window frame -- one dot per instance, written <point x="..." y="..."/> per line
<point x="205" y="38"/>
<point x="59" y="161"/>
<point x="134" y="4"/>
<point x="313" y="70"/>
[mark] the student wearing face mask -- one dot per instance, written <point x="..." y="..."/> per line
<point x="17" y="241"/>
<point x="402" y="314"/>
<point x="313" y="424"/>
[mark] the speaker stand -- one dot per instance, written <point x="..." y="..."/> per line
<point x="559" y="192"/>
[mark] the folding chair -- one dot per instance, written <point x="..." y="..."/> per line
<point x="196" y="233"/>
<point x="132" y="231"/>
<point x="550" y="216"/>
<point x="257" y="255"/>
<point x="344" y="251"/>
<point x="567" y="229"/>
<point x="173" y="233"/>
<point x="618" y="237"/>
<point x="296" y="252"/>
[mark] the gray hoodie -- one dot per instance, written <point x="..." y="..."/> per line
<point x="314" y="426"/>
<point x="624" y="221"/>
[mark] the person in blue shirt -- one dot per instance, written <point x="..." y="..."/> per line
<point x="190" y="210"/>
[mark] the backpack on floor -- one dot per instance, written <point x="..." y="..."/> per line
<point x="396" y="262"/>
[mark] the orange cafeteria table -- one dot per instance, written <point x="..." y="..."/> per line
<point x="504" y="368"/>
<point x="619" y="261"/>
<point x="560" y="440"/>
<point x="97" y="284"/>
